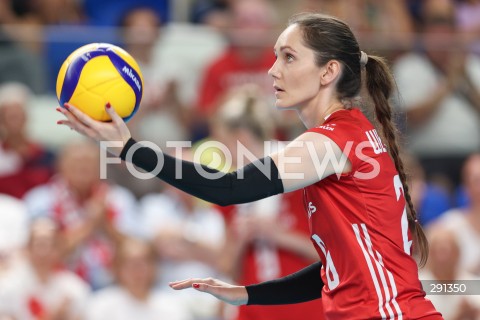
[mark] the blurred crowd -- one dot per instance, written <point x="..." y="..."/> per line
<point x="80" y="240"/>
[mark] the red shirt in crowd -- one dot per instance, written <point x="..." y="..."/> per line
<point x="19" y="174"/>
<point x="230" y="71"/>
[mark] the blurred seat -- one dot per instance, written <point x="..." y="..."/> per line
<point x="183" y="52"/>
<point x="42" y="123"/>
<point x="19" y="65"/>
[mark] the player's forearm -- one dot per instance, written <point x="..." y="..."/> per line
<point x="301" y="286"/>
<point x="245" y="185"/>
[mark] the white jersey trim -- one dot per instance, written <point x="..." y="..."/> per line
<point x="390" y="296"/>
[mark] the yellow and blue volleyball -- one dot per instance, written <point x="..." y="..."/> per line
<point x="97" y="74"/>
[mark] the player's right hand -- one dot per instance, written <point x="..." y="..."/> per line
<point x="235" y="295"/>
<point x="114" y="131"/>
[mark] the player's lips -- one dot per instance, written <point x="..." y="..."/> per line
<point x="278" y="89"/>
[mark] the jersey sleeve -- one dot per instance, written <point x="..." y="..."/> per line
<point x="345" y="135"/>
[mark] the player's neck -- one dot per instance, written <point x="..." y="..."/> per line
<point x="313" y="116"/>
<point x="332" y="109"/>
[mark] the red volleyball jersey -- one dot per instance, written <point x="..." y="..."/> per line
<point x="359" y="227"/>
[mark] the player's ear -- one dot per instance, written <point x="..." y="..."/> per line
<point x="330" y="72"/>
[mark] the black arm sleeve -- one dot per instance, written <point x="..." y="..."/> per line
<point x="244" y="185"/>
<point x="301" y="286"/>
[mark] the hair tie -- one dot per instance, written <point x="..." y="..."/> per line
<point x="363" y="58"/>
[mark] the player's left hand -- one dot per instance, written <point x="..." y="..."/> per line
<point x="116" y="130"/>
<point x="235" y="295"/>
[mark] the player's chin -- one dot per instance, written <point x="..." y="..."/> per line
<point x="282" y="104"/>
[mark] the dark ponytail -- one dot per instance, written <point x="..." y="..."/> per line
<point x="380" y="85"/>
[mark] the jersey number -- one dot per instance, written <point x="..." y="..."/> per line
<point x="330" y="270"/>
<point x="407" y="244"/>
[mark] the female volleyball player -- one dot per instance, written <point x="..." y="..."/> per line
<point x="357" y="200"/>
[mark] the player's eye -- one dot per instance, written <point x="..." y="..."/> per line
<point x="289" y="57"/>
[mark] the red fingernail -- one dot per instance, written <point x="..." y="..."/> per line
<point x="196" y="285"/>
<point x="108" y="105"/>
<point x="59" y="122"/>
<point x="59" y="110"/>
<point x="66" y="106"/>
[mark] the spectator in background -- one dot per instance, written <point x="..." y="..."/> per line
<point x="270" y="238"/>
<point x="162" y="116"/>
<point x="34" y="25"/>
<point x="465" y="222"/>
<point x="439" y="89"/>
<point x="188" y="235"/>
<point x="13" y="231"/>
<point x="53" y="12"/>
<point x="430" y="200"/>
<point x="212" y="13"/>
<point x="246" y="60"/>
<point x="36" y="288"/>
<point x="92" y="214"/>
<point x="110" y="12"/>
<point x="388" y="21"/>
<point x="444" y="265"/>
<point x="467" y="13"/>
<point x="140" y="28"/>
<point x="25" y="21"/>
<point x="161" y="107"/>
<point x="24" y="163"/>
<point x="13" y="237"/>
<point x="134" y="296"/>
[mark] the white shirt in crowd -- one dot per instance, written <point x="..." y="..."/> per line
<point x="24" y="296"/>
<point x="115" y="303"/>
<point x="448" y="304"/>
<point x="467" y="236"/>
<point x="164" y="211"/>
<point x="446" y="132"/>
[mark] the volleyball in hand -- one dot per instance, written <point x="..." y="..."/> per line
<point x="97" y="74"/>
